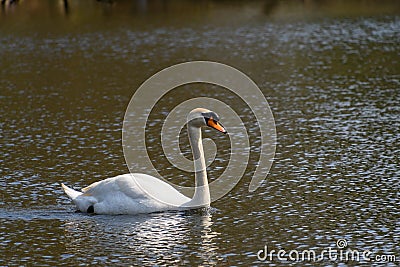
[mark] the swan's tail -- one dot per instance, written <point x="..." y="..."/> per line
<point x="71" y="192"/>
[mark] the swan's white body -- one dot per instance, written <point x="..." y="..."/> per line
<point x="141" y="193"/>
<point x="128" y="194"/>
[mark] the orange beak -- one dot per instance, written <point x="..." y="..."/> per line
<point x="216" y="125"/>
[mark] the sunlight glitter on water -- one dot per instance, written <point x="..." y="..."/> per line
<point x="332" y="84"/>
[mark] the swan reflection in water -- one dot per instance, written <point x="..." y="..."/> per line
<point x="171" y="238"/>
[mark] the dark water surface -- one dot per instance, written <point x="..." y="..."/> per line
<point x="329" y="69"/>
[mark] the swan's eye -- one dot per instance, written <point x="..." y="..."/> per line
<point x="210" y="116"/>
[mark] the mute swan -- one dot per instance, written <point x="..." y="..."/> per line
<point x="124" y="194"/>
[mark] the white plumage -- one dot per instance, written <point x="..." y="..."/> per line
<point x="127" y="194"/>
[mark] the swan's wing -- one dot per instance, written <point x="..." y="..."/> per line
<point x="111" y="186"/>
<point x="138" y="186"/>
<point x="154" y="188"/>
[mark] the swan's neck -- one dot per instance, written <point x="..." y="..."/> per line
<point x="201" y="197"/>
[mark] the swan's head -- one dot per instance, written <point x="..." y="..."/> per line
<point x="201" y="117"/>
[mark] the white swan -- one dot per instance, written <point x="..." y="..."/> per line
<point x="124" y="194"/>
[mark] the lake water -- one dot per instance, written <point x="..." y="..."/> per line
<point x="330" y="71"/>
